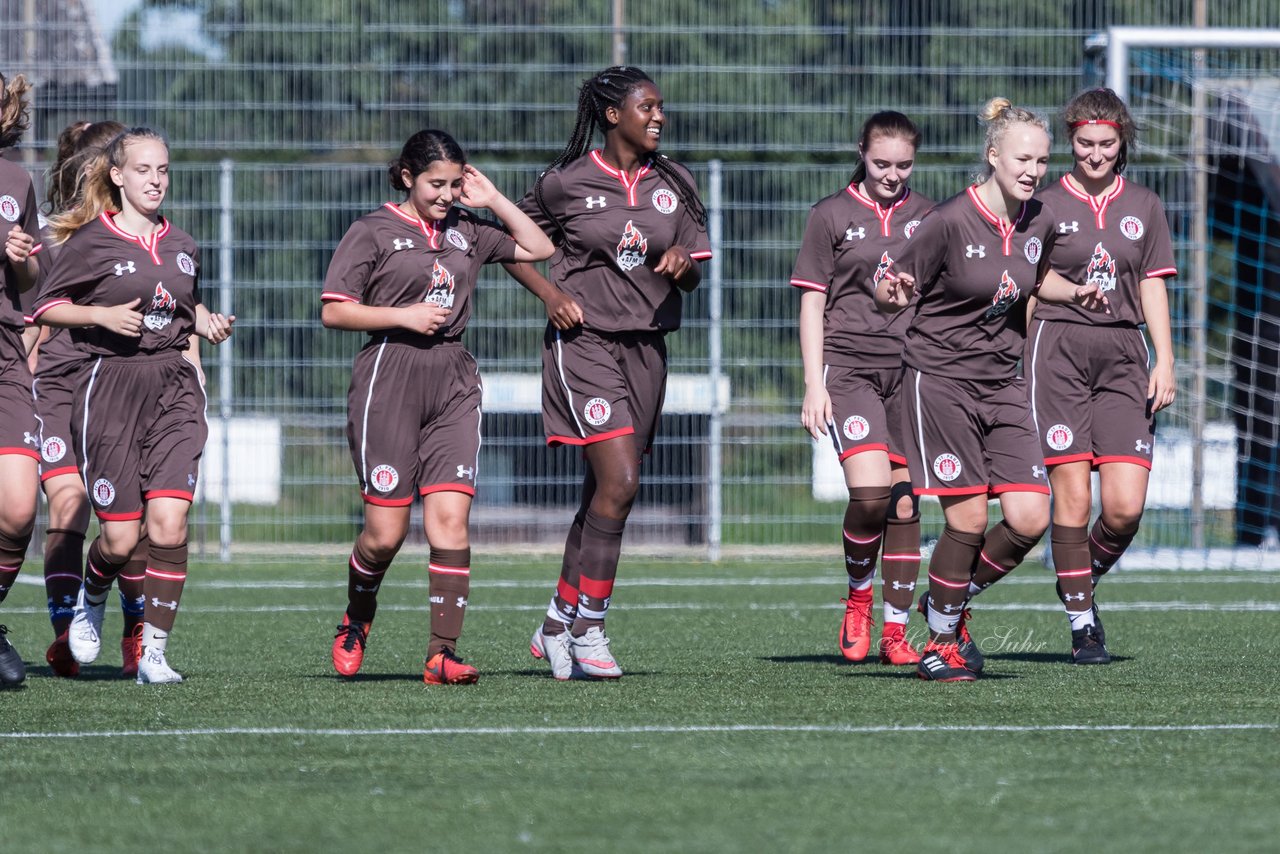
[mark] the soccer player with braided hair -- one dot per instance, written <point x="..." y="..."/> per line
<point x="631" y="233"/>
<point x="19" y="271"/>
<point x="1094" y="393"/>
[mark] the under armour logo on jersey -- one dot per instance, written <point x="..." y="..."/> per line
<point x="156" y="603"/>
<point x="849" y="233"/>
<point x="1037" y="472"/>
<point x="971" y="250"/>
<point x="1144" y="447"/>
<point x="1072" y="597"/>
<point x="595" y="202"/>
<point x="402" y="244"/>
<point x="1066" y="228"/>
<point x="468" y="473"/>
<point x="126" y="267"/>
<point x="898" y="585"/>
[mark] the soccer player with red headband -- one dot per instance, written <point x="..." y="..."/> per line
<point x="1094" y="393"/>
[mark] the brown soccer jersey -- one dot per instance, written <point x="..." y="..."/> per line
<point x="102" y="265"/>
<point x="1115" y="242"/>
<point x="612" y="230"/>
<point x="973" y="276"/>
<point x="850" y="243"/>
<point x="389" y="258"/>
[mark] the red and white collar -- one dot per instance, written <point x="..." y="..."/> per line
<point x="1005" y="232"/>
<point x="429" y="229"/>
<point x="628" y="186"/>
<point x="883" y="214"/>
<point x="151" y="242"/>
<point x="1098" y="206"/>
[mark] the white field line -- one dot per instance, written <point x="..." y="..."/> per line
<point x="1248" y="606"/>
<point x="1026" y="578"/>
<point x="836" y="729"/>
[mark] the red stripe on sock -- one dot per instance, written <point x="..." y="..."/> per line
<point x="596" y="588"/>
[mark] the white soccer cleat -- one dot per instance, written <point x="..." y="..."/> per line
<point x="555" y="650"/>
<point x="84" y="636"/>
<point x="154" y="670"/>
<point x="591" y="655"/>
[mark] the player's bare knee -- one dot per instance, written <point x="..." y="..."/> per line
<point x="1123" y="520"/>
<point x="69" y="507"/>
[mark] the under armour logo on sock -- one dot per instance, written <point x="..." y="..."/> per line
<point x="851" y="562"/>
<point x="373" y="589"/>
<point x="1073" y="597"/>
<point x="898" y="585"/>
<point x="172" y="606"/>
<point x="461" y="603"/>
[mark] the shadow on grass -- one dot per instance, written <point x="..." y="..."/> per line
<point x="816" y="659"/>
<point x="1048" y="658"/>
<point x="88" y="673"/>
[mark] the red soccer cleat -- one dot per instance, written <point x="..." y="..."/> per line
<point x="130" y="652"/>
<point x="445" y="668"/>
<point x="855" y="628"/>
<point x="348" y="646"/>
<point x="895" y="649"/>
<point x="61" y="662"/>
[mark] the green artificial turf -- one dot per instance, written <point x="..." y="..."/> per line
<point x="736" y="728"/>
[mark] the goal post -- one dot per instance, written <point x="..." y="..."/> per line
<point x="1196" y="92"/>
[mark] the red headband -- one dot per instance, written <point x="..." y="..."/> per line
<point x="1075" y="125"/>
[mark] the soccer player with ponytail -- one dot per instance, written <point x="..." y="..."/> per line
<point x="406" y="275"/>
<point x="975" y="259"/>
<point x="631" y="233"/>
<point x="852" y="357"/>
<point x="126" y="282"/>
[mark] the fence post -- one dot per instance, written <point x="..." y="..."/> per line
<point x="225" y="352"/>
<point x="715" y="481"/>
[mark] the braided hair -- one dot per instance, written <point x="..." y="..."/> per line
<point x="607" y="89"/>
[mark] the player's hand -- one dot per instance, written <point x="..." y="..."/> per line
<point x="18" y="245"/>
<point x="123" y="319"/>
<point x="219" y="327"/>
<point x="901" y="288"/>
<point x="1161" y="388"/>
<point x="477" y="190"/>
<point x="674" y="263"/>
<point x="424" y="317"/>
<point x="1091" y="298"/>
<point x="563" y="311"/>
<point x="815" y="412"/>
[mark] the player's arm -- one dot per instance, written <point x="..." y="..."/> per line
<point x="1054" y="288"/>
<point x="562" y="310"/>
<point x="678" y="265"/>
<point x="532" y="244"/>
<point x="1162" y="387"/>
<point x="212" y="326"/>
<point x="20" y="251"/>
<point x="815" y="412"/>
<point x="124" y="319"/>
<point x="423" y="318"/>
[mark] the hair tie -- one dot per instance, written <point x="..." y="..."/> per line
<point x="1084" y="122"/>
